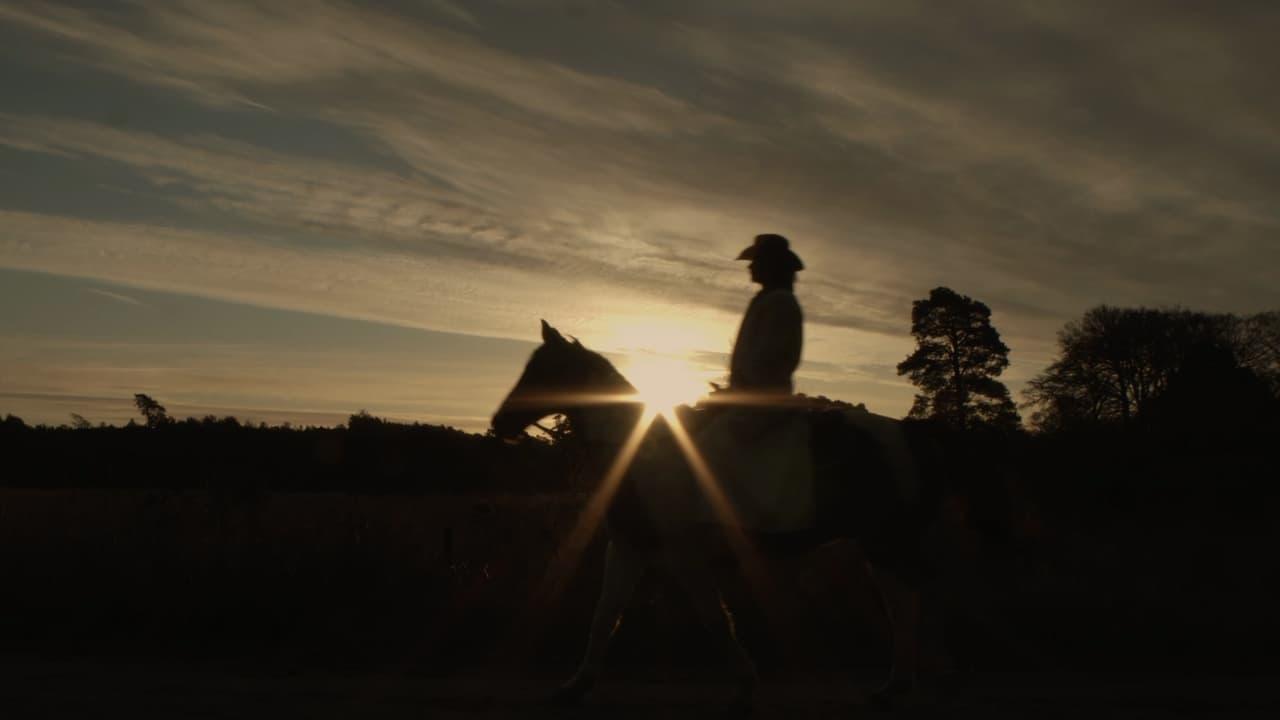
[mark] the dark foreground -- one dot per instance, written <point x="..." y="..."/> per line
<point x="87" y="688"/>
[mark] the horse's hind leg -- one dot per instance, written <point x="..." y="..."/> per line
<point x="622" y="571"/>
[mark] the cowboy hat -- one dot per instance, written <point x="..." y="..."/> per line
<point x="773" y="249"/>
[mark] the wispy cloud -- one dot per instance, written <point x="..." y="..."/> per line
<point x="244" y="52"/>
<point x="608" y="161"/>
<point x="118" y="297"/>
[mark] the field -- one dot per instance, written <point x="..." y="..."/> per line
<point x="440" y="579"/>
<point x="185" y="602"/>
<point x="224" y="690"/>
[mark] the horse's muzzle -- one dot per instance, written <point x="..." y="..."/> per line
<point x="506" y="426"/>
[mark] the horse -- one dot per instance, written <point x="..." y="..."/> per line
<point x="860" y="491"/>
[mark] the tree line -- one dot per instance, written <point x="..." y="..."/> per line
<point x="1115" y="367"/>
<point x="367" y="454"/>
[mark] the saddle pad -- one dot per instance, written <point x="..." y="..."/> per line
<point x="764" y="465"/>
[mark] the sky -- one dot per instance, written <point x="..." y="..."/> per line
<point x="291" y="211"/>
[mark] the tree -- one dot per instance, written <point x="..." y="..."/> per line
<point x="1256" y="342"/>
<point x="1211" y="384"/>
<point x="152" y="411"/>
<point x="957" y="359"/>
<point x="364" y="422"/>
<point x="1115" y="363"/>
<point x="79" y="422"/>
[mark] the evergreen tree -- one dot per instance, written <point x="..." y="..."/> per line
<point x="958" y="357"/>
<point x="152" y="411"/>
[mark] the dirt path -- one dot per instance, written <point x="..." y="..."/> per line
<point x="84" y="688"/>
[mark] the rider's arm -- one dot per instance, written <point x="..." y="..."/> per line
<point x="781" y="335"/>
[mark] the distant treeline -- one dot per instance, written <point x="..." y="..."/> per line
<point x="368" y="454"/>
<point x="1165" y="381"/>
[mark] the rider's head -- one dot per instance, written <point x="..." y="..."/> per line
<point x="772" y="261"/>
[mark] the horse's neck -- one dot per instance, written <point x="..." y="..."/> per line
<point x="604" y="428"/>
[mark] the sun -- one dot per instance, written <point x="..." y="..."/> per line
<point x="664" y="381"/>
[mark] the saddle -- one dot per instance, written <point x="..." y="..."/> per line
<point x="855" y="455"/>
<point x="863" y="483"/>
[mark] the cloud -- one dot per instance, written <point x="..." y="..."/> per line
<point x="947" y="148"/>
<point x="118" y="297"/>
<point x="240" y="52"/>
<point x="580" y="160"/>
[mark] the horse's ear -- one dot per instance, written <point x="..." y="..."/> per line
<point x="550" y="335"/>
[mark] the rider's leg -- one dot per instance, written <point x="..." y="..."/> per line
<point x="622" y="572"/>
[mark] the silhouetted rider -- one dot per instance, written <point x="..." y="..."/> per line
<point x="754" y="439"/>
<point x="767" y="350"/>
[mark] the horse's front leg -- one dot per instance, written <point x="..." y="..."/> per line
<point x="901" y="604"/>
<point x="622" y="572"/>
<point x="696" y="581"/>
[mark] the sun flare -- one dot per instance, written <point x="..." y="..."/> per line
<point x="663" y="382"/>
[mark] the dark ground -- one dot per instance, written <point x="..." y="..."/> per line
<point x="88" y="688"/>
<point x="1110" y="578"/>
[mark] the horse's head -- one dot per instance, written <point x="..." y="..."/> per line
<point x="560" y="376"/>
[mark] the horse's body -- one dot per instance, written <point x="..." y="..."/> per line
<point x="857" y="492"/>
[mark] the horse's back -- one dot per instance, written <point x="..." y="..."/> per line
<point x="868" y="486"/>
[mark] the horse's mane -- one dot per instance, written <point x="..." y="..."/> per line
<point x="598" y="366"/>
